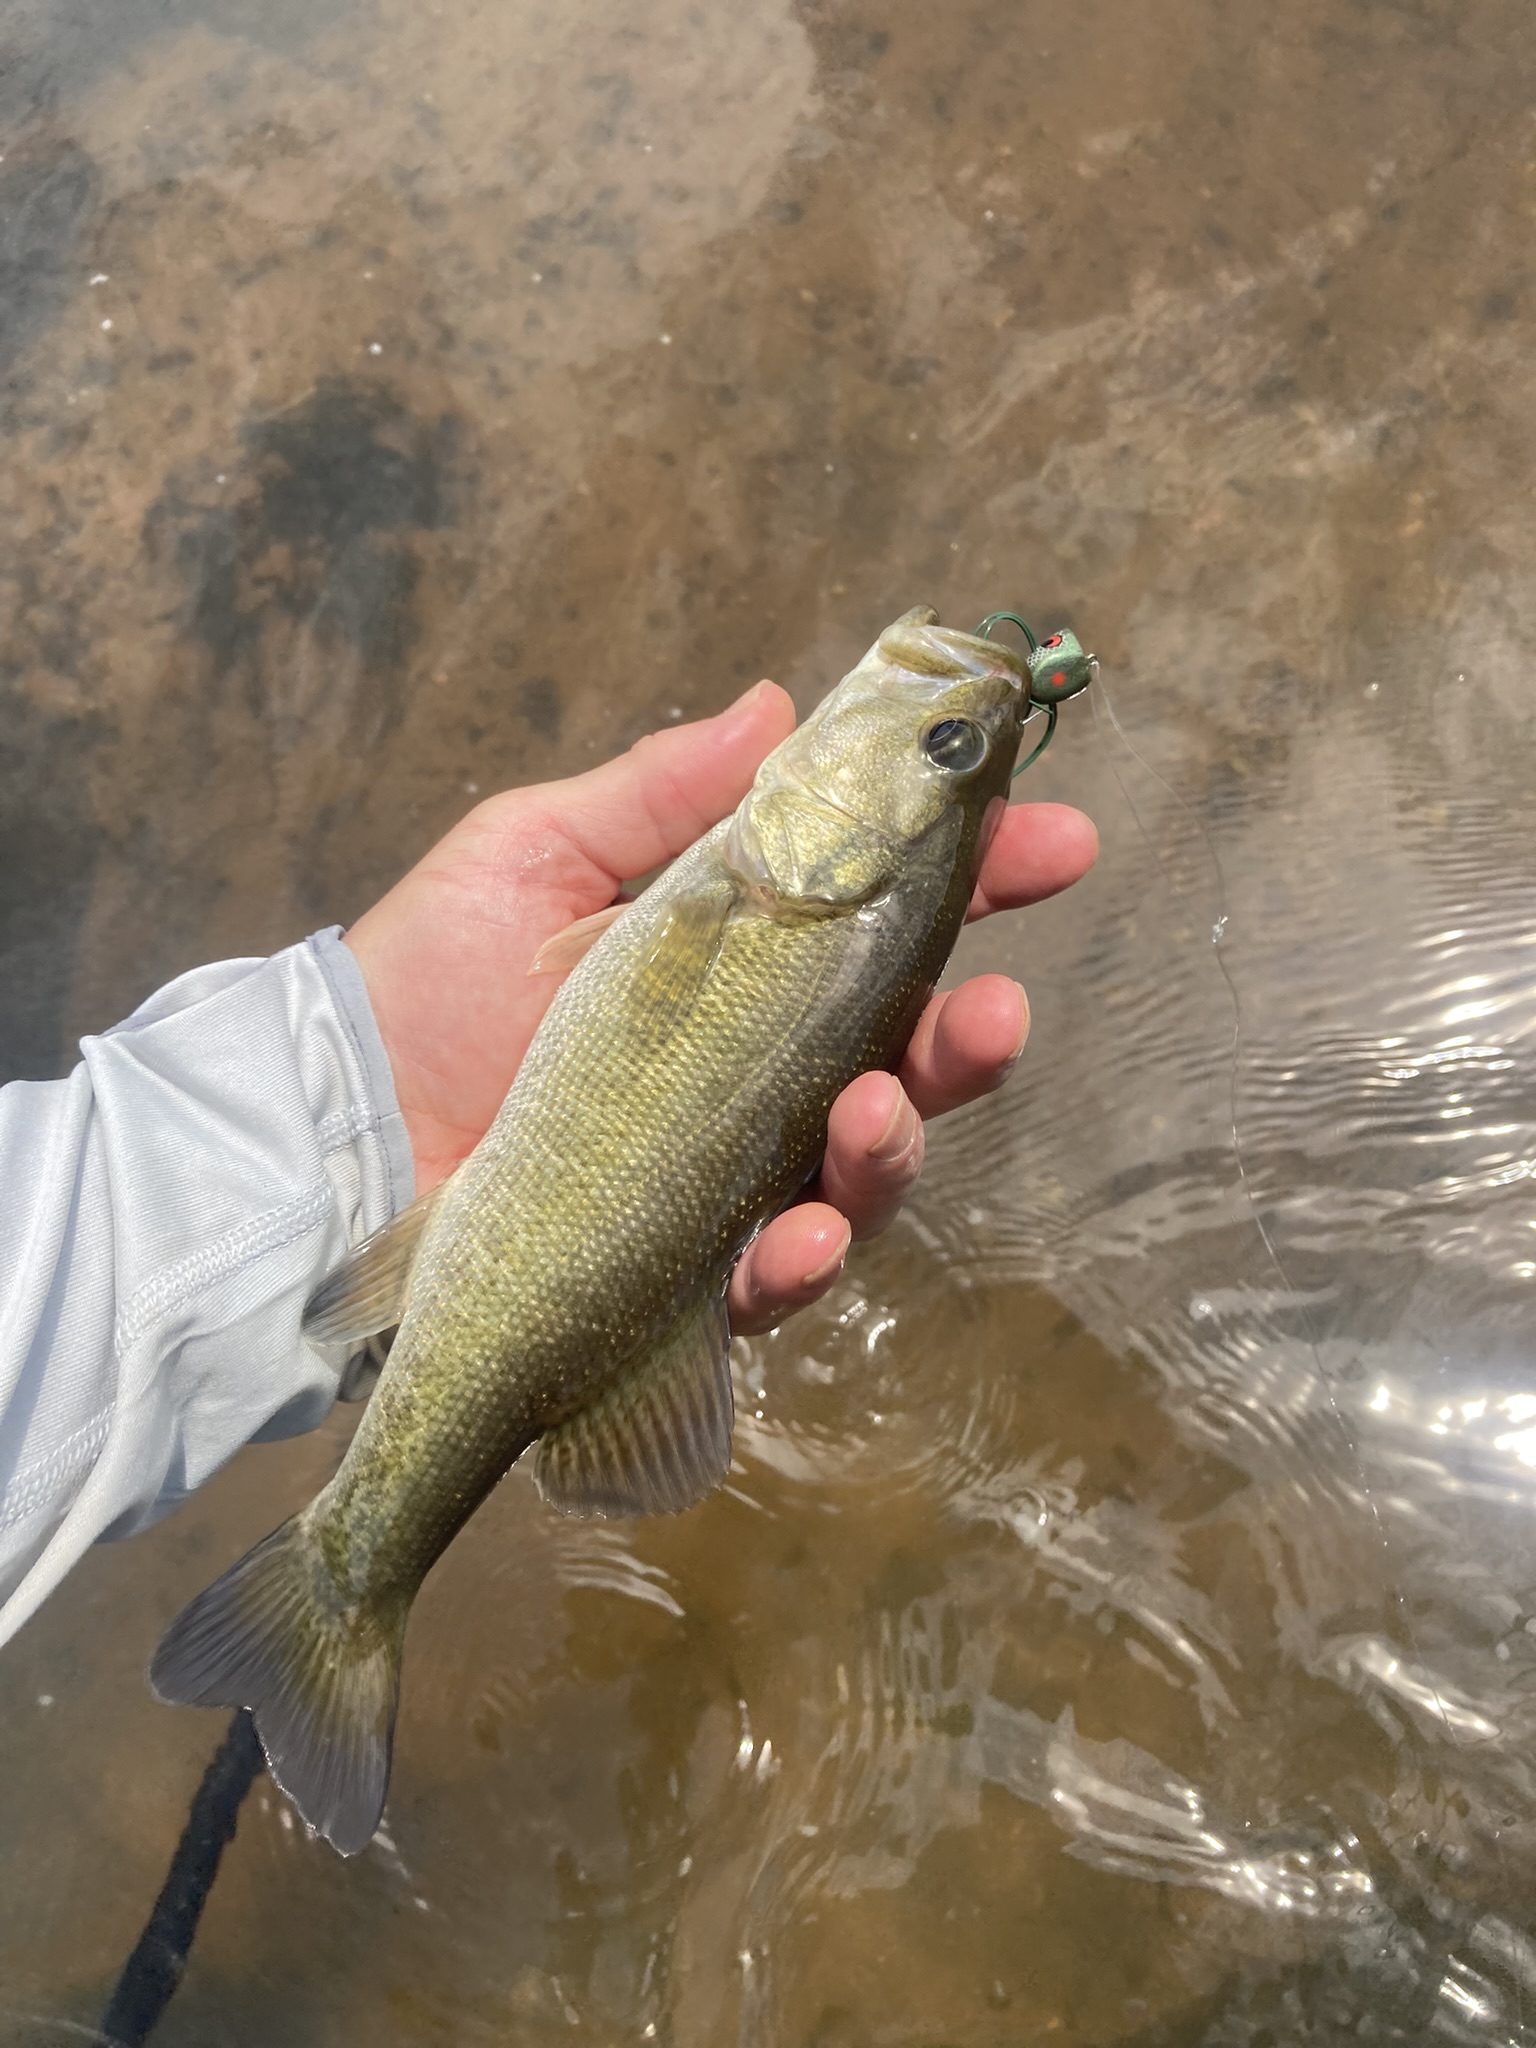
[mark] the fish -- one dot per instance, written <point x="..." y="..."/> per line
<point x="563" y="1293"/>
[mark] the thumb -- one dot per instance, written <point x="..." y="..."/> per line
<point x="650" y="804"/>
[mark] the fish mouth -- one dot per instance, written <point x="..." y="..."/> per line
<point x="1003" y="663"/>
<point x="924" y="650"/>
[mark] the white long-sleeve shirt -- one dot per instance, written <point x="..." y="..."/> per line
<point x="164" y="1212"/>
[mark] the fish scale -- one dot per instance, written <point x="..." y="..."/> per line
<point x="566" y="1287"/>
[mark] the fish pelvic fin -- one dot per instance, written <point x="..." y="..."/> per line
<point x="659" y="1439"/>
<point x="321" y="1678"/>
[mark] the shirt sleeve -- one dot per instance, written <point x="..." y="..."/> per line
<point x="164" y="1213"/>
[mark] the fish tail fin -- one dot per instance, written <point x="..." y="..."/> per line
<point x="320" y="1673"/>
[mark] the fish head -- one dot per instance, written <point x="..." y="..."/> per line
<point x="913" y="748"/>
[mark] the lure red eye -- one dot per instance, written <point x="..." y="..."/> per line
<point x="1054" y="641"/>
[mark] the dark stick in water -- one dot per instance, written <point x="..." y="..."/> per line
<point x="153" y="1971"/>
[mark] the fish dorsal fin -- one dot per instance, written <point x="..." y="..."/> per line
<point x="659" y="1439"/>
<point x="680" y="957"/>
<point x="365" y="1293"/>
<point x="560" y="953"/>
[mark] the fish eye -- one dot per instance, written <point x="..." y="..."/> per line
<point x="955" y="744"/>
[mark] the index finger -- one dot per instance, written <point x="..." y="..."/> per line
<point x="1037" y="851"/>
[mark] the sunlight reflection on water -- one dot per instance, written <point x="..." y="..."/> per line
<point x="1119" y="1623"/>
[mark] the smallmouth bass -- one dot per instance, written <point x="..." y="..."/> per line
<point x="565" y="1288"/>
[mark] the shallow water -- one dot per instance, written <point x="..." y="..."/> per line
<point x="1120" y="1626"/>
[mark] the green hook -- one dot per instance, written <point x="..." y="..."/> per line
<point x="984" y="630"/>
<point x="1058" y="669"/>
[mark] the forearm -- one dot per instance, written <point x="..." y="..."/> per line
<point x="163" y="1213"/>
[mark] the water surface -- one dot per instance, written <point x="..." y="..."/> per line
<point x="1120" y="1626"/>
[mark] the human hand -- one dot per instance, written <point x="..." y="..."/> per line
<point x="446" y="955"/>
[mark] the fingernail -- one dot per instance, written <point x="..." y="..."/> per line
<point x="829" y="1266"/>
<point x="747" y="697"/>
<point x="899" y="1130"/>
<point x="1013" y="1058"/>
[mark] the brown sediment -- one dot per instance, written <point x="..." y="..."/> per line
<point x="707" y="340"/>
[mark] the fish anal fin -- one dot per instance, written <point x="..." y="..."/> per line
<point x="560" y="953"/>
<point x="659" y="1439"/>
<point x="366" y="1292"/>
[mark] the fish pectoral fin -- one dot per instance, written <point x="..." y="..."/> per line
<point x="681" y="955"/>
<point x="659" y="1439"/>
<point x="366" y="1292"/>
<point x="560" y="953"/>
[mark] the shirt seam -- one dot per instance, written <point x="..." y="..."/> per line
<point x="33" y="1484"/>
<point x="204" y="1268"/>
<point x="342" y="1126"/>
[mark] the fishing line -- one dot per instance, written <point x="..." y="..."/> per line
<point x="1218" y="934"/>
<point x="75" y="2029"/>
